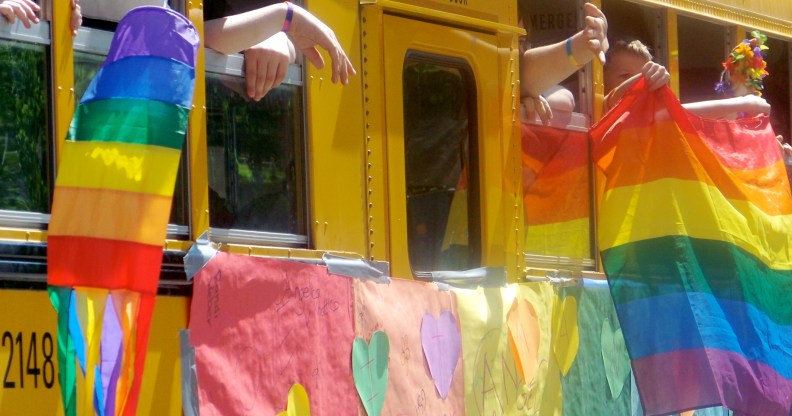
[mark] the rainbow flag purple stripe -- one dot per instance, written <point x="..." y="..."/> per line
<point x="695" y="233"/>
<point x="111" y="207"/>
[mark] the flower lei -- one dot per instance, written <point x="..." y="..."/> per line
<point x="745" y="66"/>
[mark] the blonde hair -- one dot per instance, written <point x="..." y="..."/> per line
<point x="635" y="47"/>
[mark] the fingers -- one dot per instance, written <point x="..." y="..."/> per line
<point x="76" y="18"/>
<point x="314" y="56"/>
<point x="263" y="72"/>
<point x="25" y="10"/>
<point x="656" y="75"/>
<point x="596" y="31"/>
<point x="539" y="106"/>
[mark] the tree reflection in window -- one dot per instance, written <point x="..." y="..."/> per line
<point x="25" y="177"/>
<point x="255" y="158"/>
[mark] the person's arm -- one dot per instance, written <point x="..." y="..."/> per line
<point x="750" y="104"/>
<point x="545" y="66"/>
<point x="25" y="10"/>
<point x="239" y="32"/>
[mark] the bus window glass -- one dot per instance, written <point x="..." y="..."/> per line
<point x="440" y="165"/>
<point x="255" y="153"/>
<point x="699" y="60"/>
<point x="24" y="148"/>
<point x="85" y="67"/>
<point x="556" y="196"/>
<point x="776" y="86"/>
<point x="631" y="21"/>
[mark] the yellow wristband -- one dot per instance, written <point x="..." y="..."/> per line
<point x="569" y="53"/>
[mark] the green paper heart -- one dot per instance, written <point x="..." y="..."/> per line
<point x="370" y="371"/>
<point x="615" y="358"/>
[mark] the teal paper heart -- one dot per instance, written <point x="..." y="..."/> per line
<point x="370" y="371"/>
<point x="615" y="358"/>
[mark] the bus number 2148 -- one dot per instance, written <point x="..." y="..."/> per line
<point x="29" y="356"/>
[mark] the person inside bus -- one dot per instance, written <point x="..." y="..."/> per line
<point x="27" y="11"/>
<point x="629" y="61"/>
<point x="543" y="68"/>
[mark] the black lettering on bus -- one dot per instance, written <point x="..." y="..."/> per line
<point x="29" y="366"/>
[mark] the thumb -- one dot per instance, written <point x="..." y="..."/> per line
<point x="314" y="56"/>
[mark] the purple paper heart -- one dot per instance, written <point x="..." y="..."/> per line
<point x="442" y="344"/>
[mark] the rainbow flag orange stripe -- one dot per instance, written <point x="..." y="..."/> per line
<point x="695" y="233"/>
<point x="111" y="207"/>
<point x="556" y="199"/>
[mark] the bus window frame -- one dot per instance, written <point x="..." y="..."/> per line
<point x="232" y="65"/>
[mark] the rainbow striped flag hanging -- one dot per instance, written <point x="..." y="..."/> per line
<point x="111" y="207"/>
<point x="695" y="233"/>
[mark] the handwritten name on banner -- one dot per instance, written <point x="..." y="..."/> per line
<point x="261" y="325"/>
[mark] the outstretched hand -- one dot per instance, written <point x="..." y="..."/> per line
<point x="307" y="31"/>
<point x="25" y="10"/>
<point x="596" y="31"/>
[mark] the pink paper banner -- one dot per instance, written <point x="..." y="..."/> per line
<point x="261" y="325"/>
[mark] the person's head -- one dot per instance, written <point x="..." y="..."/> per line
<point x="623" y="60"/>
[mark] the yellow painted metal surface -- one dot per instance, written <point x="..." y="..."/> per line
<point x="672" y="40"/>
<point x="480" y="14"/>
<point x="62" y="71"/>
<point x="27" y="319"/>
<point x="196" y="142"/>
<point x="336" y="143"/>
<point x="772" y="17"/>
<point x="376" y="181"/>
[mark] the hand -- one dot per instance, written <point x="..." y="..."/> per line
<point x="76" y="17"/>
<point x="752" y="105"/>
<point x="307" y="31"/>
<point x="538" y="105"/>
<point x="266" y="64"/>
<point x="25" y="10"/>
<point x="656" y="75"/>
<point x="596" y="31"/>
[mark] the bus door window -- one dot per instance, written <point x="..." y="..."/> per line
<point x="26" y="177"/>
<point x="256" y="155"/>
<point x="91" y="46"/>
<point x="700" y="59"/>
<point x="440" y="164"/>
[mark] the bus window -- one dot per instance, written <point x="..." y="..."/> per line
<point x="25" y="150"/>
<point x="700" y="60"/>
<point x="776" y="86"/>
<point x="551" y="22"/>
<point x="440" y="164"/>
<point x="630" y="21"/>
<point x="256" y="154"/>
<point x="90" y="49"/>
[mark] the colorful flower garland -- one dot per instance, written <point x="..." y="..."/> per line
<point x="745" y="66"/>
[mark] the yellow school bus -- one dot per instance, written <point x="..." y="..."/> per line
<point x="418" y="162"/>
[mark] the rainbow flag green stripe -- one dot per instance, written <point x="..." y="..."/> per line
<point x="653" y="267"/>
<point x="129" y="120"/>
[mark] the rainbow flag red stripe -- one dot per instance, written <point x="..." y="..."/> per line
<point x="111" y="207"/>
<point x="695" y="233"/>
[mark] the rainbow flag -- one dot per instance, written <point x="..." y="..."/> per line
<point x="556" y="181"/>
<point x="695" y="233"/>
<point x="111" y="207"/>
